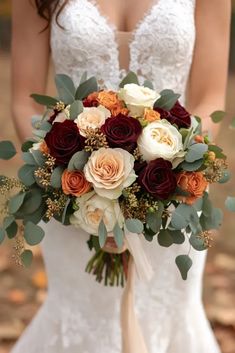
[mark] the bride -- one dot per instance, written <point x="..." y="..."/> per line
<point x="177" y="44"/>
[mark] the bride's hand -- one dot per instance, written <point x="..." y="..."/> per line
<point x="111" y="246"/>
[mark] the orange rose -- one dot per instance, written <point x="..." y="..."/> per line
<point x="151" y="115"/>
<point x="74" y="183"/>
<point x="110" y="100"/>
<point x="91" y="100"/>
<point x="44" y="148"/>
<point x="192" y="182"/>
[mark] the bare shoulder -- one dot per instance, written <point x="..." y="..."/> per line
<point x="213" y="12"/>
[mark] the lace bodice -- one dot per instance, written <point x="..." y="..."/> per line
<point x="161" y="47"/>
<point x="80" y="315"/>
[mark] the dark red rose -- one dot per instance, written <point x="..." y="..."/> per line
<point x="122" y="131"/>
<point x="63" y="141"/>
<point x="180" y="116"/>
<point x="164" y="114"/>
<point x="158" y="179"/>
<point x="91" y="100"/>
<point x="177" y="115"/>
<point x="139" y="166"/>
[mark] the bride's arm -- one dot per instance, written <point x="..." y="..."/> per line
<point x="208" y="79"/>
<point x="30" y="57"/>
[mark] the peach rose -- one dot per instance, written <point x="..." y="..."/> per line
<point x="92" y="117"/>
<point x="192" y="182"/>
<point x="151" y="115"/>
<point x="74" y="183"/>
<point x="110" y="100"/>
<point x="110" y="170"/>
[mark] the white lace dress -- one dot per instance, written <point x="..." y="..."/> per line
<point x="79" y="315"/>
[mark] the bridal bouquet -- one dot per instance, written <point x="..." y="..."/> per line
<point x="120" y="165"/>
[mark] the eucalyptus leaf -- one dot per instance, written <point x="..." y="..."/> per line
<point x="83" y="77"/>
<point x="75" y="109"/>
<point x="196" y="152"/>
<point x="134" y="225"/>
<point x="118" y="235"/>
<point x="167" y="100"/>
<point x="65" y="88"/>
<point x="8" y="220"/>
<point x="26" y="146"/>
<point x="131" y="77"/>
<point x="184" y="263"/>
<point x="12" y="230"/>
<point x="28" y="158"/>
<point x="218" y="116"/>
<point x="181" y="216"/>
<point x="33" y="233"/>
<point x="164" y="238"/>
<point x="7" y="150"/>
<point x="26" y="174"/>
<point x="217" y="150"/>
<point x="197" y="243"/>
<point x="191" y="167"/>
<point x="177" y="236"/>
<point x="102" y="232"/>
<point x="2" y="235"/>
<point x="39" y="134"/>
<point x="85" y="88"/>
<point x="56" y="177"/>
<point x="65" y="211"/>
<point x="230" y="203"/>
<point x="39" y="158"/>
<point x="27" y="257"/>
<point x="78" y="161"/>
<point x="16" y="201"/>
<point x="225" y="177"/>
<point x="213" y="221"/>
<point x="36" y="216"/>
<point x="154" y="219"/>
<point x="45" y="126"/>
<point x="148" y="84"/>
<point x="44" y="100"/>
<point x="32" y="201"/>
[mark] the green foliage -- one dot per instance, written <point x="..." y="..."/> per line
<point x="217" y="116"/>
<point x="26" y="145"/>
<point x="102" y="232"/>
<point x="197" y="243"/>
<point x="191" y="167"/>
<point x="27" y="258"/>
<point x="7" y="150"/>
<point x="226" y="177"/>
<point x="196" y="152"/>
<point x="118" y="235"/>
<point x="184" y="263"/>
<point x="167" y="100"/>
<point x="56" y="177"/>
<point x="230" y="203"/>
<point x="32" y="202"/>
<point x="65" y="88"/>
<point x="78" y="161"/>
<point x="131" y="77"/>
<point x="134" y="225"/>
<point x="12" y="230"/>
<point x="33" y="233"/>
<point x="75" y="109"/>
<point x="154" y="219"/>
<point x="26" y="174"/>
<point x="85" y="88"/>
<point x="148" y="84"/>
<point x="48" y="101"/>
<point x="164" y="238"/>
<point x="16" y="202"/>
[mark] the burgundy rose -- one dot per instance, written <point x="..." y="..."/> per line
<point x="63" y="141"/>
<point x="177" y="115"/>
<point x="91" y="100"/>
<point x="180" y="116"/>
<point x="158" y="179"/>
<point x="122" y="131"/>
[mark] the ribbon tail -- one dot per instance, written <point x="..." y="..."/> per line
<point x="132" y="338"/>
<point x="143" y="266"/>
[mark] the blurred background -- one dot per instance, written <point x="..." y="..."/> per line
<point x="22" y="291"/>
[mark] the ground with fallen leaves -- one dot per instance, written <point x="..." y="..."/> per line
<point x="23" y="291"/>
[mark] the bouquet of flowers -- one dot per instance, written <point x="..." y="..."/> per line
<point x="123" y="164"/>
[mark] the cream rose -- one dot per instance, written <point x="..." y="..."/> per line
<point x="93" y="118"/>
<point x="92" y="209"/>
<point x="137" y="98"/>
<point x="110" y="171"/>
<point x="160" y="139"/>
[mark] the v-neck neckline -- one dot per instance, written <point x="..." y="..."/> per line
<point x="147" y="13"/>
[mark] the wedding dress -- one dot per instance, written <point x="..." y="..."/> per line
<point x="80" y="315"/>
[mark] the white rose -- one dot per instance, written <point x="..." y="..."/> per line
<point x="110" y="170"/>
<point x="92" y="209"/>
<point x="93" y="118"/>
<point x="137" y="98"/>
<point x="160" y="139"/>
